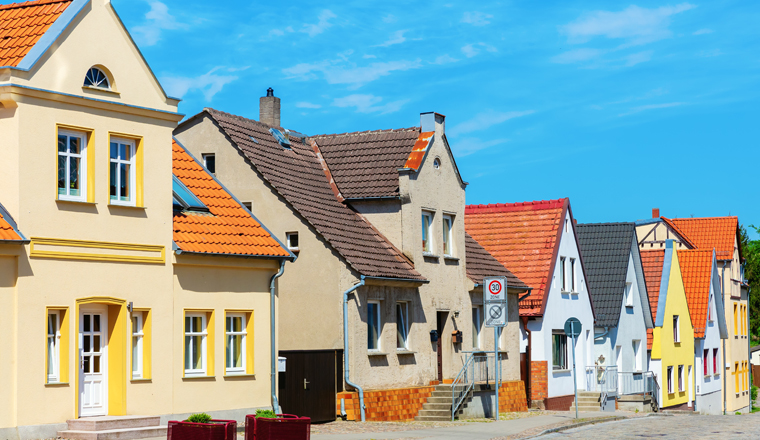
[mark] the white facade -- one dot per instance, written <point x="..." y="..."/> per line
<point x="709" y="380"/>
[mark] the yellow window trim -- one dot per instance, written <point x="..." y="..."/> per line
<point x="104" y="245"/>
<point x="90" y="158"/>
<point x="139" y="201"/>
<point x="249" y="342"/>
<point x="147" y="370"/>
<point x="210" y="338"/>
<point x="63" y="347"/>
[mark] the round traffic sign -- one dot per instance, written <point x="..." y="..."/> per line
<point x="495" y="312"/>
<point x="573" y="327"/>
<point x="494" y="286"/>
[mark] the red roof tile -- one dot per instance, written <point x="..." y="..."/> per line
<point x="651" y="262"/>
<point x="696" y="271"/>
<point x="709" y="233"/>
<point x="522" y="237"/>
<point x="678" y="230"/>
<point x="481" y="264"/>
<point x="23" y="24"/>
<point x="7" y="232"/>
<point x="229" y="228"/>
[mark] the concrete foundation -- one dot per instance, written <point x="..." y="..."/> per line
<point x="635" y="402"/>
<point x="711" y="403"/>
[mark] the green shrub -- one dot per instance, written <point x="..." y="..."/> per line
<point x="738" y="413"/>
<point x="265" y="414"/>
<point x="199" y="418"/>
<point x="754" y="393"/>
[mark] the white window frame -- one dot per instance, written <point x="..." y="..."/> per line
<point x="205" y="156"/>
<point x="448" y="235"/>
<point x="629" y="294"/>
<point x="227" y="353"/>
<point x="477" y="323"/>
<point x="402" y="324"/>
<point x="676" y="329"/>
<point x="563" y="272"/>
<point x="671" y="380"/>
<point x="138" y="336"/>
<point x="427" y="229"/>
<point x="681" y="379"/>
<point x="637" y="359"/>
<point x="707" y="367"/>
<point x="132" y="162"/>
<point x="288" y="237"/>
<point x="54" y="347"/>
<point x="82" y="156"/>
<point x="710" y="317"/>
<point x="716" y="362"/>
<point x="378" y="342"/>
<point x="573" y="278"/>
<point x="564" y="361"/>
<point x="204" y="335"/>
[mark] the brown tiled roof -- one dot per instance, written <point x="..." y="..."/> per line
<point x="297" y="175"/>
<point x="365" y="164"/>
<point x="228" y="228"/>
<point x="651" y="262"/>
<point x="480" y="264"/>
<point x="23" y="24"/>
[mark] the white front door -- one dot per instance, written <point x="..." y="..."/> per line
<point x="93" y="362"/>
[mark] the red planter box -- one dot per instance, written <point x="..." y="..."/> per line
<point x="284" y="427"/>
<point x="217" y="430"/>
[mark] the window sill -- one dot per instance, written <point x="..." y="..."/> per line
<point x="239" y="376"/>
<point x="400" y="352"/>
<point x="450" y="257"/>
<point x="430" y="255"/>
<point x="98" y="89"/>
<point x="376" y="353"/>
<point x="119" y="205"/>
<point x="629" y="306"/>
<point x="198" y="377"/>
<point x="561" y="371"/>
<point x="57" y="384"/>
<point x="141" y="380"/>
<point x="294" y="250"/>
<point x="78" y="202"/>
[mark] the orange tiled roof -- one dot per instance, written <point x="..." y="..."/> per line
<point x="418" y="151"/>
<point x="23" y="24"/>
<point x="522" y="237"/>
<point x="678" y="230"/>
<point x="651" y="262"/>
<point x="229" y="228"/>
<point x="7" y="233"/>
<point x="696" y="271"/>
<point x="709" y="233"/>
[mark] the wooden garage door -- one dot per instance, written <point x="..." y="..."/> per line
<point x="308" y="385"/>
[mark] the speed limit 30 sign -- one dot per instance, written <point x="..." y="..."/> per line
<point x="495" y="301"/>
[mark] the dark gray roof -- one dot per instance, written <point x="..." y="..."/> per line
<point x="606" y="248"/>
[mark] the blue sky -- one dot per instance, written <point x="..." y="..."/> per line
<point x="620" y="106"/>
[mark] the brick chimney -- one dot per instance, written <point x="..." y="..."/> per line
<point x="269" y="109"/>
<point x="655" y="212"/>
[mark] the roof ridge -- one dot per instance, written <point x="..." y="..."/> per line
<point x="608" y="224"/>
<point x="31" y="3"/>
<point x="519" y="206"/>
<point x="356" y="133"/>
<point x="736" y="217"/>
<point x="240" y="118"/>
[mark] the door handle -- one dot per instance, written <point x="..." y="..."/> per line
<point x="305" y="383"/>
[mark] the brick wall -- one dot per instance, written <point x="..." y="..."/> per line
<point x="386" y="405"/>
<point x="559" y="403"/>
<point x="512" y="397"/>
<point x="538" y="378"/>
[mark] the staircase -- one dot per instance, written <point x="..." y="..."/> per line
<point x="113" y="428"/>
<point x="438" y="406"/>
<point x="587" y="401"/>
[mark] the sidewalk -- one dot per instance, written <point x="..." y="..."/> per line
<point x="474" y="431"/>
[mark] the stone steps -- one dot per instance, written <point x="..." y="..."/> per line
<point x="438" y="406"/>
<point x="113" y="428"/>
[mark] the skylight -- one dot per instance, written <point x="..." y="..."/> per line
<point x="280" y="137"/>
<point x="184" y="199"/>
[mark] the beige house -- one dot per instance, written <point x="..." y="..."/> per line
<point x="377" y="221"/>
<point x="109" y="305"/>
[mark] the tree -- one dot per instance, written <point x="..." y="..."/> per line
<point x="752" y="274"/>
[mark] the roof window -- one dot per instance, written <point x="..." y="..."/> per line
<point x="184" y="199"/>
<point x="280" y="137"/>
<point x="97" y="78"/>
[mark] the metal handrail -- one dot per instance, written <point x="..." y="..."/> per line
<point x="464" y="381"/>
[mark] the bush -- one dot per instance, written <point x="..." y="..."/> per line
<point x="199" y="418"/>
<point x="265" y="414"/>
<point x="753" y="393"/>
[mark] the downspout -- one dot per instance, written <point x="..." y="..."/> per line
<point x="723" y="367"/>
<point x="600" y="336"/>
<point x="345" y="344"/>
<point x="273" y="354"/>
<point x="527" y="349"/>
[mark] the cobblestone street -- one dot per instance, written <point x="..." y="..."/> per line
<point x="670" y="427"/>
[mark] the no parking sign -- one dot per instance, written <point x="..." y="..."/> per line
<point x="495" y="301"/>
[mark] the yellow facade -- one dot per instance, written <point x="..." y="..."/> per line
<point x="96" y="253"/>
<point x="670" y="357"/>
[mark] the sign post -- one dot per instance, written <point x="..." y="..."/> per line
<point x="495" y="305"/>
<point x="573" y="329"/>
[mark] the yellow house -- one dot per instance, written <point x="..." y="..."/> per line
<point x="139" y="285"/>
<point x="672" y="339"/>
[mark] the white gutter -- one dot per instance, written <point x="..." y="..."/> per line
<point x="273" y="348"/>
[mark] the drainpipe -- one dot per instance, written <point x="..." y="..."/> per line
<point x="527" y="362"/>
<point x="345" y="344"/>
<point x="723" y="298"/>
<point x="272" y="315"/>
<point x="601" y="336"/>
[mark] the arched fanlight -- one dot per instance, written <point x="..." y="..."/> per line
<point x="96" y="78"/>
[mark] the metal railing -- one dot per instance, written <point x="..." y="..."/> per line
<point x="479" y="367"/>
<point x="602" y="379"/>
<point x="610" y="381"/>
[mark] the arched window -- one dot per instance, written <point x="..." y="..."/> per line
<point x="96" y="78"/>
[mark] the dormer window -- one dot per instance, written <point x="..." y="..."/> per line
<point x="281" y="139"/>
<point x="97" y="78"/>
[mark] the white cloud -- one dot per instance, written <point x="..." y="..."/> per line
<point x="703" y="32"/>
<point x="369" y="104"/>
<point x="577" y="55"/>
<point x="307" y="105"/>
<point x="476" y="18"/>
<point x="636" y="58"/>
<point x="635" y="24"/>
<point x="323" y="24"/>
<point x="396" y="38"/>
<point x="465" y="147"/>
<point x="209" y="84"/>
<point x="342" y="72"/>
<point x="445" y="59"/>
<point x="643" y="108"/>
<point x="485" y="120"/>
<point x="156" y="20"/>
<point x="471" y="50"/>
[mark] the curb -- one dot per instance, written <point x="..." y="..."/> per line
<point x="578" y="425"/>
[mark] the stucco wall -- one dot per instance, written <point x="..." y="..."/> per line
<point x="385" y="215"/>
<point x="714" y="381"/>
<point x="8" y="325"/>
<point x="736" y="344"/>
